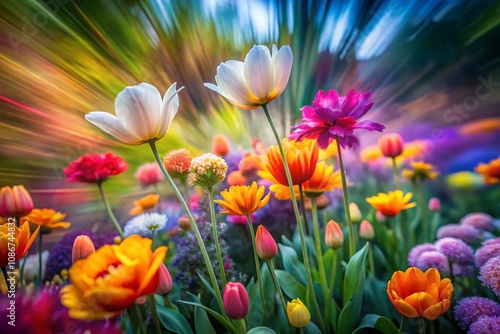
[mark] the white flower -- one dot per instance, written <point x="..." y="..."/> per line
<point x="207" y="170"/>
<point x="258" y="80"/>
<point x="145" y="224"/>
<point x="31" y="267"/>
<point x="141" y="114"/>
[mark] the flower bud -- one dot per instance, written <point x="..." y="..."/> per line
<point x="220" y="145"/>
<point x="235" y="298"/>
<point x="391" y="145"/>
<point x="334" y="238"/>
<point x="322" y="202"/>
<point x="380" y="217"/>
<point x="265" y="244"/>
<point x="434" y="204"/>
<point x="184" y="223"/>
<point x="366" y="230"/>
<point x="355" y="213"/>
<point x="15" y="202"/>
<point x="82" y="248"/>
<point x="298" y="314"/>
<point x="165" y="281"/>
<point x="117" y="240"/>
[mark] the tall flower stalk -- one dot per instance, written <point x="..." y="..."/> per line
<point x="352" y="244"/>
<point x="216" y="237"/>
<point x="319" y="252"/>
<point x="300" y="226"/>
<point x="208" y="264"/>
<point x="111" y="215"/>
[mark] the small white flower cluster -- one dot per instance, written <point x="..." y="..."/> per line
<point x="31" y="266"/>
<point x="207" y="170"/>
<point x="145" y="224"/>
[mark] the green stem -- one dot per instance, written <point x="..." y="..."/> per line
<point x="168" y="302"/>
<point x="40" y="242"/>
<point x="139" y="316"/>
<point x="402" y="324"/>
<point x="21" y="270"/>
<point x="242" y="326"/>
<point x="216" y="237"/>
<point x="319" y="252"/>
<point x="370" y="259"/>
<point x="303" y="206"/>
<point x="109" y="211"/>
<point x="300" y="225"/>
<point x="301" y="330"/>
<point x="421" y="325"/>
<point x="278" y="288"/>
<point x="352" y="246"/>
<point x="329" y="297"/>
<point x="404" y="235"/>
<point x="154" y="313"/>
<point x="257" y="268"/>
<point x="199" y="239"/>
<point x="421" y="194"/>
<point x="395" y="171"/>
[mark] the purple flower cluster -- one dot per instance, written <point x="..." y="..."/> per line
<point x="485" y="325"/>
<point x="455" y="249"/>
<point x="60" y="256"/>
<point x="467" y="233"/>
<point x="490" y="274"/>
<point x="478" y="220"/>
<point x="487" y="251"/>
<point x="468" y="310"/>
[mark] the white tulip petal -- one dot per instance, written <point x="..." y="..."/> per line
<point x="275" y="52"/>
<point x="138" y="107"/>
<point x="169" y="108"/>
<point x="282" y="67"/>
<point x="230" y="80"/>
<point x="112" y="125"/>
<point x="258" y="72"/>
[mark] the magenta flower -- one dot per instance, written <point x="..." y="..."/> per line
<point x="335" y="117"/>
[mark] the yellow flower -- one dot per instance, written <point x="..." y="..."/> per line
<point x="464" y="180"/>
<point x="298" y="314"/>
<point x="420" y="171"/>
<point x="490" y="171"/>
<point x="111" y="279"/>
<point x="48" y="219"/>
<point x="20" y="243"/>
<point x="243" y="200"/>
<point x="371" y="154"/>
<point x="392" y="203"/>
<point x="300" y="156"/>
<point x="144" y="204"/>
<point x="417" y="294"/>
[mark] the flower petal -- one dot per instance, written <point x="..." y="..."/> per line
<point x="258" y="72"/>
<point x="282" y="67"/>
<point x="230" y="80"/>
<point x="112" y="125"/>
<point x="169" y="108"/>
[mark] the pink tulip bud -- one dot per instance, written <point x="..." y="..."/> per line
<point x="220" y="145"/>
<point x="434" y="204"/>
<point x="391" y="145"/>
<point x="334" y="238"/>
<point x="82" y="248"/>
<point x="15" y="202"/>
<point x="165" y="282"/>
<point x="366" y="230"/>
<point x="265" y="244"/>
<point x="235" y="299"/>
<point x="380" y="217"/>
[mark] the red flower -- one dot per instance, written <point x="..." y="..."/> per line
<point x="95" y="168"/>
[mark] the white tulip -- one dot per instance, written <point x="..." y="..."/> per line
<point x="261" y="78"/>
<point x="141" y="114"/>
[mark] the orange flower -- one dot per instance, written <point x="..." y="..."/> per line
<point x="15" y="202"/>
<point x="300" y="156"/>
<point x="177" y="162"/>
<point x="420" y="170"/>
<point x="112" y="278"/>
<point x="392" y="203"/>
<point x="250" y="164"/>
<point x="490" y="171"/>
<point x="220" y="145"/>
<point x="144" y="204"/>
<point x="243" y="200"/>
<point x="417" y="294"/>
<point x="236" y="178"/>
<point x="20" y="243"/>
<point x="48" y="219"/>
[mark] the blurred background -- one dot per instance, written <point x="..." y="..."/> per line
<point x="433" y="68"/>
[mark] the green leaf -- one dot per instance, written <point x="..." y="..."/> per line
<point x="216" y="315"/>
<point x="292" y="264"/>
<point x="311" y="328"/>
<point x="290" y="285"/>
<point x="201" y="321"/>
<point x="261" y="330"/>
<point x="354" y="284"/>
<point x="206" y="283"/>
<point x="173" y="321"/>
<point x="377" y="322"/>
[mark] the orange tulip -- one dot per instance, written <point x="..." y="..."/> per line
<point x="392" y="203"/>
<point x="490" y="171"/>
<point x="48" y="219"/>
<point x="144" y="204"/>
<point x="417" y="294"/>
<point x="334" y="238"/>
<point x="82" y="248"/>
<point x="112" y="278"/>
<point x="19" y="243"/>
<point x="243" y="200"/>
<point x="300" y="156"/>
<point x="15" y="202"/>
